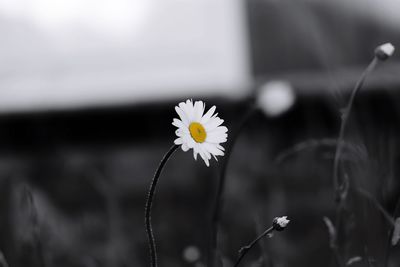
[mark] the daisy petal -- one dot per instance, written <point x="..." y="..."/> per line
<point x="208" y="115"/>
<point x="216" y="138"/>
<point x="185" y="147"/>
<point x="213" y="123"/>
<point x="220" y="147"/>
<point x="187" y="108"/>
<point x="178" y="141"/>
<point x="220" y="129"/>
<point x="213" y="149"/>
<point x="195" y="151"/>
<point x="206" y="153"/>
<point x="189" y="141"/>
<point x="182" y="115"/>
<point x="180" y="125"/>
<point x="198" y="110"/>
<point x="204" y="157"/>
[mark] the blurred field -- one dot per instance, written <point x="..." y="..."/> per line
<point x="80" y="200"/>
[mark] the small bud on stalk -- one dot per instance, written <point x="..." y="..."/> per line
<point x="384" y="51"/>
<point x="280" y="223"/>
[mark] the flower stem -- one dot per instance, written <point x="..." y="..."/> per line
<point x="345" y="119"/>
<point x="244" y="250"/>
<point x="149" y="202"/>
<point x="341" y="186"/>
<point x="216" y="216"/>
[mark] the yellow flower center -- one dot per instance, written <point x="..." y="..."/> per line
<point x="197" y="132"/>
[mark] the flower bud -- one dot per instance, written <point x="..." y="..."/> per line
<point x="384" y="51"/>
<point x="280" y="223"/>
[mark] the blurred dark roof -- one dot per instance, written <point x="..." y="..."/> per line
<point x="293" y="36"/>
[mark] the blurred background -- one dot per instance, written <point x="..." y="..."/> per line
<point x="87" y="96"/>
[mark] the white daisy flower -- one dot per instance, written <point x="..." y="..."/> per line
<point x="202" y="133"/>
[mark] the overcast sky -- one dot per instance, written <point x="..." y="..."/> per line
<point x="72" y="53"/>
<point x="78" y="53"/>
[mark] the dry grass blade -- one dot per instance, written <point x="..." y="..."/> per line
<point x="352" y="260"/>
<point x="333" y="240"/>
<point x="331" y="231"/>
<point x="396" y="232"/>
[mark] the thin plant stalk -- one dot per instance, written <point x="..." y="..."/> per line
<point x="149" y="202"/>
<point x="244" y="250"/>
<point x="389" y="243"/>
<point x="341" y="185"/>
<point x="216" y="215"/>
<point x="345" y="119"/>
